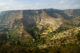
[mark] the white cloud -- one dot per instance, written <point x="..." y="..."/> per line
<point x="16" y="4"/>
<point x="63" y="1"/>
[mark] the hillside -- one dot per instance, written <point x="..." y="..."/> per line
<point x="42" y="28"/>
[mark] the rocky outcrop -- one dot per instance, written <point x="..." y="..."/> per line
<point x="25" y="19"/>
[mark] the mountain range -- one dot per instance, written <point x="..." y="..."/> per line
<point x="46" y="27"/>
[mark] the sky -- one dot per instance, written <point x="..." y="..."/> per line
<point x="38" y="4"/>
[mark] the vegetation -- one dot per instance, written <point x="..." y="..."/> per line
<point x="19" y="49"/>
<point x="78" y="36"/>
<point x="14" y="43"/>
<point x="48" y="31"/>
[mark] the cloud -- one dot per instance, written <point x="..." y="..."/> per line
<point x="63" y="1"/>
<point x="38" y="4"/>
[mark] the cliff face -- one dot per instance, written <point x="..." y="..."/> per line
<point x="9" y="17"/>
<point x="40" y="17"/>
<point x="33" y="17"/>
<point x="26" y="19"/>
<point x="50" y="27"/>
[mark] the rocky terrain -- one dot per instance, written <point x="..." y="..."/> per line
<point x="42" y="28"/>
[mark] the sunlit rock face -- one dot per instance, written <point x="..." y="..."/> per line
<point x="33" y="17"/>
<point x="25" y="19"/>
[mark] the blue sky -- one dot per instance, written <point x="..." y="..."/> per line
<point x="38" y="4"/>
